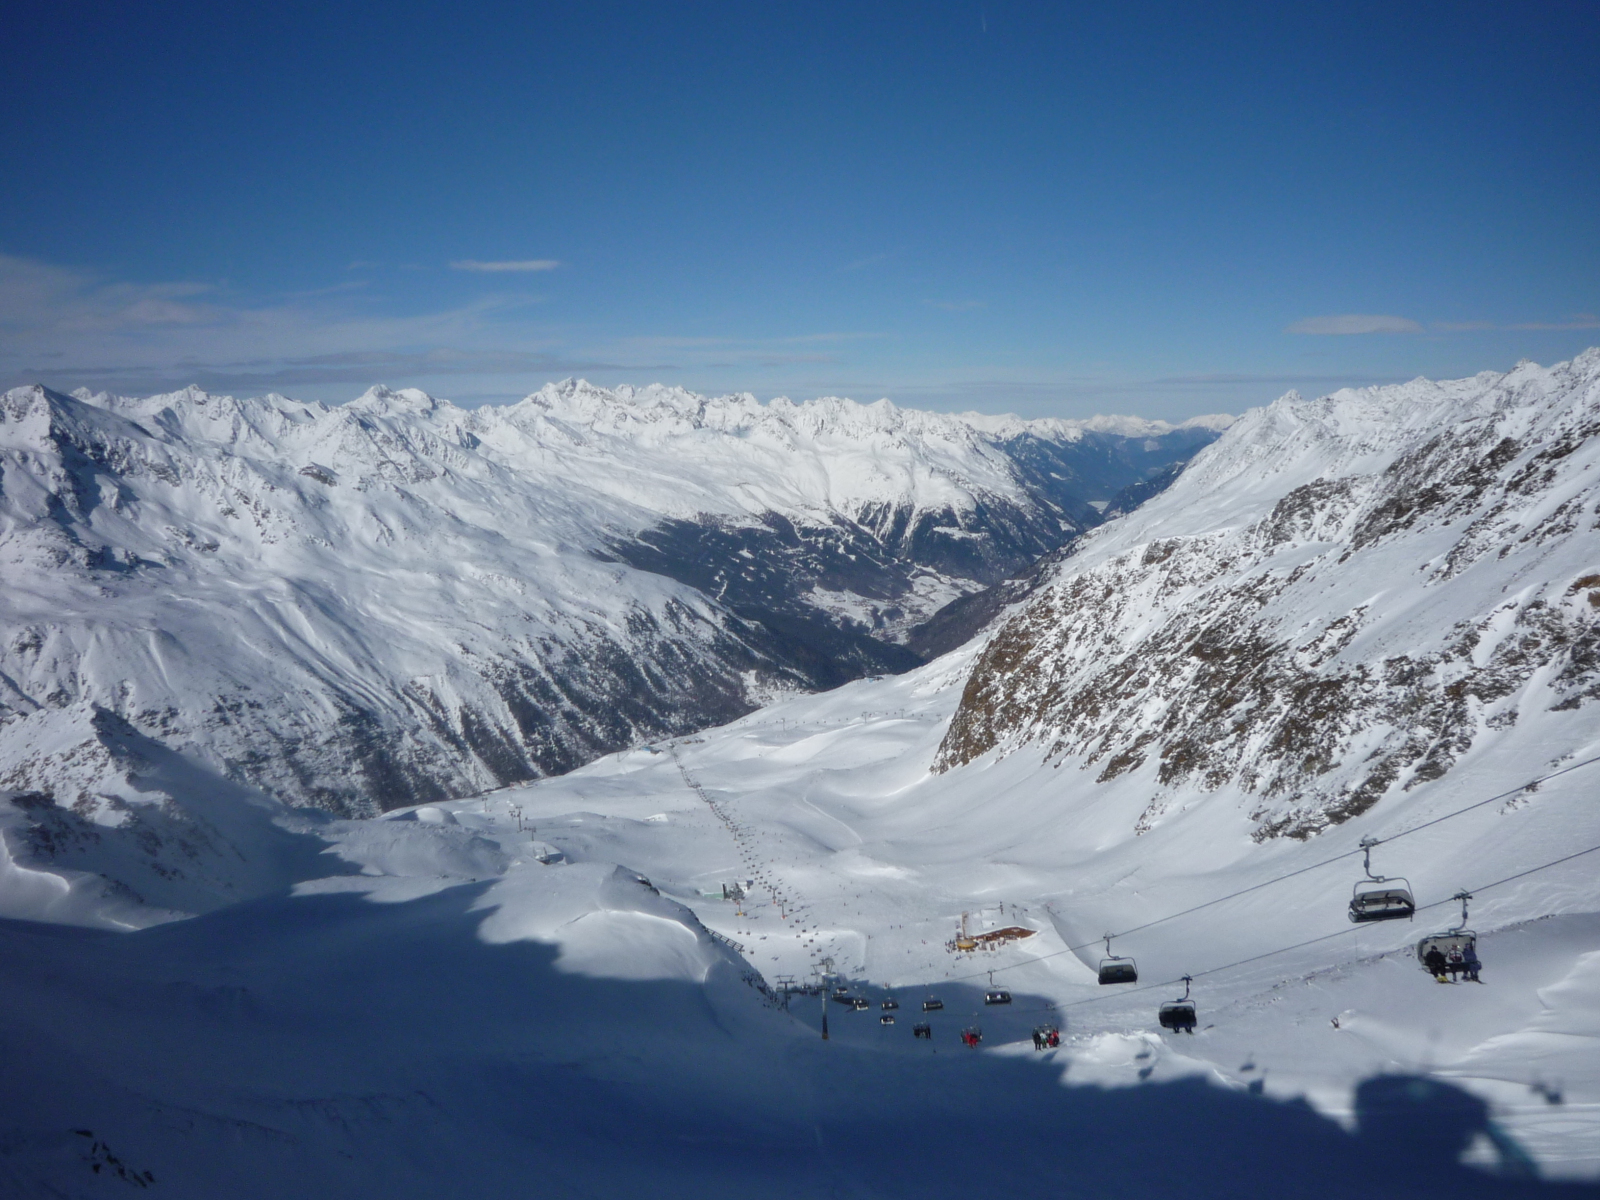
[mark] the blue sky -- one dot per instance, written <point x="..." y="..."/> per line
<point x="1046" y="208"/>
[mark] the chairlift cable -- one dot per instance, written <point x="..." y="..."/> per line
<point x="1394" y="837"/>
<point x="1313" y="867"/>
<point x="1298" y="945"/>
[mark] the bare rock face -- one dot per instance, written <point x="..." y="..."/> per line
<point x="1337" y="599"/>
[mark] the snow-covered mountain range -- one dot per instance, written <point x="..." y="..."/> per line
<point x="396" y="600"/>
<point x="1363" y="616"/>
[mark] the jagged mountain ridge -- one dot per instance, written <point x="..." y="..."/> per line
<point x="1336" y="601"/>
<point x="397" y="600"/>
<point x="867" y="517"/>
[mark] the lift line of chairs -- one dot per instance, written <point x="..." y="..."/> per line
<point x="1375" y="898"/>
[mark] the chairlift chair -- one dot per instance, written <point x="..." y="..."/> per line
<point x="860" y="1003"/>
<point x="1116" y="969"/>
<point x="1046" y="1037"/>
<point x="1458" y="946"/>
<point x="1378" y="897"/>
<point x="886" y="1019"/>
<point x="1179" y="1015"/>
<point x="971" y="1036"/>
<point x="922" y="1030"/>
<point x="932" y="1004"/>
<point x="890" y="1004"/>
<point x="996" y="995"/>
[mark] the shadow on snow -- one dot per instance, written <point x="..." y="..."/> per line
<point x="331" y="1046"/>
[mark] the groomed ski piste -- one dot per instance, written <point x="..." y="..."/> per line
<point x="476" y="1005"/>
<point x="577" y="987"/>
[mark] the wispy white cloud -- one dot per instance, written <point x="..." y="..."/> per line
<point x="521" y="264"/>
<point x="1364" y="323"/>
<point x="733" y="343"/>
<point x="68" y="327"/>
<point x="1354" y="323"/>
<point x="1576" y="321"/>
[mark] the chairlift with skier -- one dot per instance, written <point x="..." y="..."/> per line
<point x="1453" y="952"/>
<point x="1179" y="1015"/>
<point x="996" y="995"/>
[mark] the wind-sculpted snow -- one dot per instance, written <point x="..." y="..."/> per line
<point x="398" y="600"/>
<point x="1336" y="602"/>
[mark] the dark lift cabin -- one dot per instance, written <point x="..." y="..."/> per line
<point x="1379" y="898"/>
<point x="1179" y="1015"/>
<point x="1114" y="969"/>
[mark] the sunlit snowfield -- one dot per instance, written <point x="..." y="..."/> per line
<point x="441" y="1008"/>
<point x="860" y="855"/>
<point x="550" y="983"/>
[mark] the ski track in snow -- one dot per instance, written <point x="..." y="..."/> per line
<point x="885" y="908"/>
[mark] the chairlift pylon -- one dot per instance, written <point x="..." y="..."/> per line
<point x="1116" y="969"/>
<point x="1380" y="897"/>
<point x="1179" y="1015"/>
<point x="1453" y="952"/>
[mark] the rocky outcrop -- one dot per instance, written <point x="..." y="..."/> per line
<point x="1337" y="600"/>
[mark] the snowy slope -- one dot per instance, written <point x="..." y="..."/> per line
<point x="449" y="1018"/>
<point x="437" y="1010"/>
<point x="1338" y="602"/>
<point x="344" y="610"/>
<point x="397" y="600"/>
